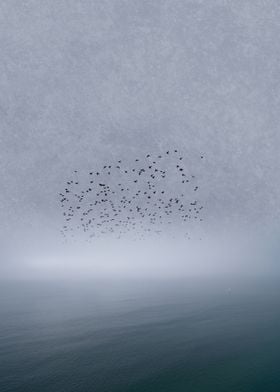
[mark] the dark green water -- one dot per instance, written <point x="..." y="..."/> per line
<point x="192" y="335"/>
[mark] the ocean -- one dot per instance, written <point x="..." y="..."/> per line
<point x="196" y="334"/>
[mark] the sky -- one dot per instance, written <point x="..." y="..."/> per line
<point x="86" y="82"/>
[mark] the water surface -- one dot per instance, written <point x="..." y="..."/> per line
<point x="186" y="335"/>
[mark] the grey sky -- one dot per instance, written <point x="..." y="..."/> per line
<point x="85" y="81"/>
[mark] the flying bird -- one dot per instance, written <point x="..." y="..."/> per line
<point x="125" y="201"/>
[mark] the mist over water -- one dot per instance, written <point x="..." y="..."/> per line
<point x="147" y="316"/>
<point x="217" y="252"/>
<point x="154" y="315"/>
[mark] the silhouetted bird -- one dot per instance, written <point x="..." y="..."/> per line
<point x="120" y="209"/>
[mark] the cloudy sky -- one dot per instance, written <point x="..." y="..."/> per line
<point x="82" y="82"/>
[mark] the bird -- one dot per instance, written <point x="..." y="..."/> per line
<point x="132" y="200"/>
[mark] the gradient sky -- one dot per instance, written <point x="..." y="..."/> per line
<point x="86" y="81"/>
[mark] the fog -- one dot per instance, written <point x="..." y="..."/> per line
<point x="87" y="82"/>
<point x="218" y="254"/>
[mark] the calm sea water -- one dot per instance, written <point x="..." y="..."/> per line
<point x="192" y="335"/>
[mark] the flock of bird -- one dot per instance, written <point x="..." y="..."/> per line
<point x="137" y="199"/>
